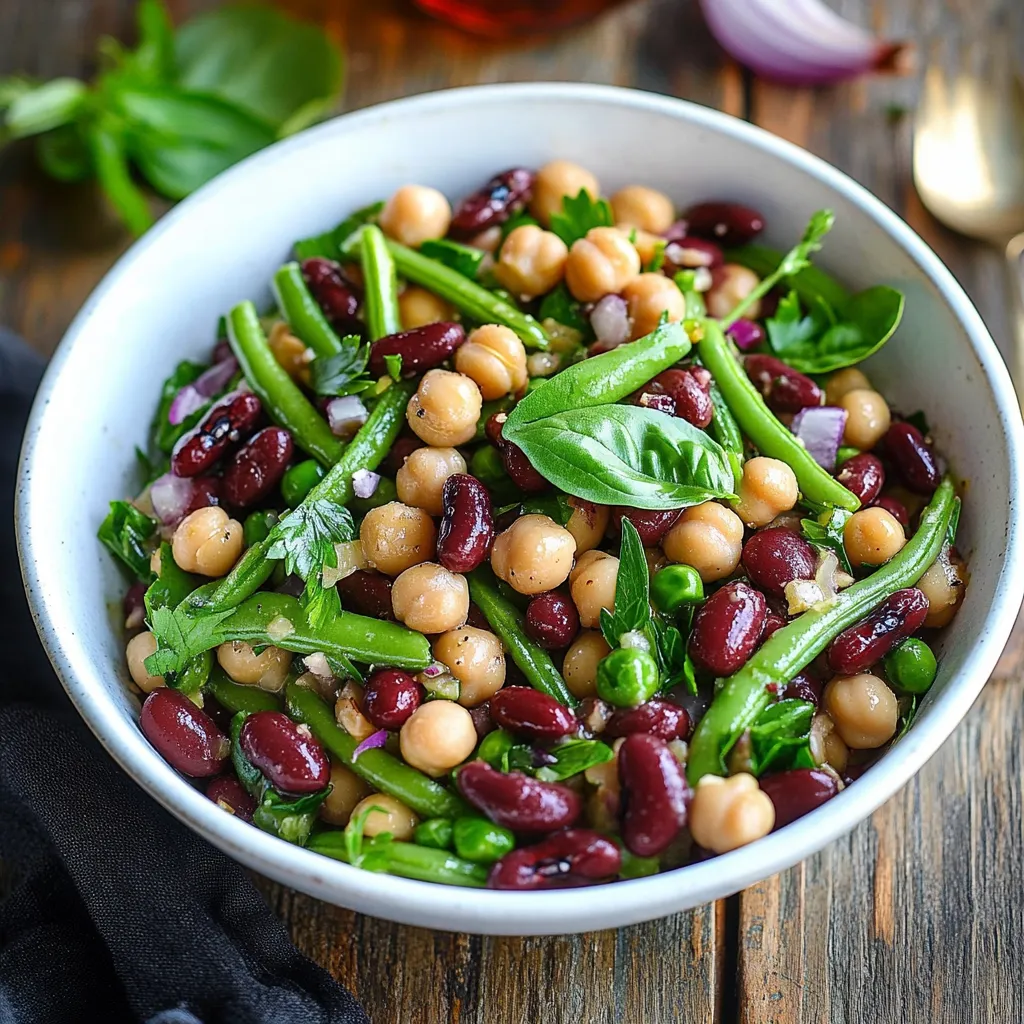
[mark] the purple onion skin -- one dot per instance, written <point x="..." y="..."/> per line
<point x="822" y="444"/>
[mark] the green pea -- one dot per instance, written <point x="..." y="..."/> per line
<point x="674" y="586"/>
<point x="435" y="833"/>
<point x="845" y="453"/>
<point x="299" y="480"/>
<point x="258" y="526"/>
<point x="486" y="465"/>
<point x="481" y="841"/>
<point x="638" y="867"/>
<point x="494" y="746"/>
<point x="386" y="491"/>
<point x="627" y="677"/>
<point x="911" y="666"/>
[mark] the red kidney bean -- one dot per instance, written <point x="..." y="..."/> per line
<point x="517" y="801"/>
<point x="728" y="628"/>
<point x="656" y="717"/>
<point x="727" y="223"/>
<point x="692" y="253"/>
<point x="367" y="593"/>
<point x="390" y="697"/>
<point x="747" y="334"/>
<point x="336" y="295"/>
<point x="773" y="622"/>
<point x="784" y="389"/>
<point x="803" y="686"/>
<point x="229" y="793"/>
<point x="482" y="721"/>
<point x="466" y="532"/>
<point x="654" y="793"/>
<point x="776" y="556"/>
<point x="858" y="648"/>
<point x="690" y="390"/>
<point x="289" y="755"/>
<point x="505" y="194"/>
<point x="422" y="348"/>
<point x="651" y="524"/>
<point x="913" y="457"/>
<point x="257" y="467"/>
<point x="864" y="475"/>
<point x="528" y="712"/>
<point x="798" y="792"/>
<point x="400" y="451"/>
<point x="574" y="857"/>
<point x="231" y="419"/>
<point x="659" y="403"/>
<point x="184" y="735"/>
<point x="895" y="508"/>
<point x="516" y="464"/>
<point x="134" y="606"/>
<point x="205" y="492"/>
<point x="552" y="620"/>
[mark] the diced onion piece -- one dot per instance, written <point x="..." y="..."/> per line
<point x="377" y="739"/>
<point x="349" y="557"/>
<point x="364" y="483"/>
<point x="346" y="415"/>
<point x="195" y="395"/>
<point x="610" y="320"/>
<point x="171" y="495"/>
<point x="803" y="595"/>
<point x="280" y="627"/>
<point x="318" y="664"/>
<point x="820" y="429"/>
<point x="635" y="640"/>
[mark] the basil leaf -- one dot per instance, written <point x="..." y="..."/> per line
<point x="625" y="455"/>
<point x="674" y="659"/>
<point x="125" y="532"/>
<point x="328" y="245"/>
<point x="572" y="757"/>
<point x="811" y="283"/>
<point x="602" y="380"/>
<point x="284" y="72"/>
<point x="560" y="306"/>
<point x="632" y="611"/>
<point x="780" y="737"/>
<point x="579" y="214"/>
<point x="462" y="258"/>
<point x="827" y="532"/>
<point x="41" y="108"/>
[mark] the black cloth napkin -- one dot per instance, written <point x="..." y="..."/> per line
<point x="116" y="912"/>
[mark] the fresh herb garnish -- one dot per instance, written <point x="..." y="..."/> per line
<point x="954" y="523"/>
<point x="826" y="532"/>
<point x="517" y="220"/>
<point x="780" y="737"/>
<point x="560" y="306"/>
<point x="674" y="659"/>
<point x="906" y="719"/>
<point x="572" y="757"/>
<point x="328" y="245"/>
<point x="371" y="855"/>
<point x="343" y="373"/>
<point x="394" y="365"/>
<point x="171" y="586"/>
<point x="464" y="259"/>
<point x="306" y="536"/>
<point x="182" y="636"/>
<point x="125" y="532"/>
<point x="657" y="260"/>
<point x="632" y="613"/>
<point x="579" y="214"/>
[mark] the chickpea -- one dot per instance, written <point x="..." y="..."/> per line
<point x="555" y="181"/>
<point x="580" y="665"/>
<point x="430" y="599"/>
<point x="601" y="264"/>
<point x="207" y="541"/>
<point x="637" y="206"/>
<point x="493" y="358"/>
<point x="347" y="789"/>
<point x="437" y="736"/>
<point x="648" y="297"/>
<point x="865" y="711"/>
<point x="531" y="261"/>
<point x="140" y="647"/>
<point x="709" y="537"/>
<point x="533" y="555"/>
<point x="417" y="307"/>
<point x="872" y="536"/>
<point x="587" y="523"/>
<point x="422" y="477"/>
<point x="445" y="409"/>
<point x="768" y="487"/>
<point x="944" y="583"/>
<point x="476" y="658"/>
<point x="393" y="816"/>
<point x="267" y="670"/>
<point x="291" y="354"/>
<point x="593" y="586"/>
<point x="867" y="418"/>
<point x="731" y="284"/>
<point x="842" y="382"/>
<point x="414" y="214"/>
<point x="395" y="537"/>
<point x="827" y="746"/>
<point x="729" y="813"/>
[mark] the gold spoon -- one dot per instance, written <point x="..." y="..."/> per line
<point x="969" y="160"/>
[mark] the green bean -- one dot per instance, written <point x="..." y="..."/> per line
<point x="299" y="480"/>
<point x="756" y="420"/>
<point x="171" y="586"/>
<point x="282" y="399"/>
<point x="475" y="301"/>
<point x="744" y="695"/>
<point x="508" y="623"/>
<point x="380" y="284"/>
<point x="425" y="796"/>
<point x="480" y="840"/>
<point x="258" y="524"/>
<point x="409" y="861"/>
<point x="236" y="697"/>
<point x="726" y="431"/>
<point x="435" y="833"/>
<point x="303" y="313"/>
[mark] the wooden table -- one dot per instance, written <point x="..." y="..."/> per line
<point x="917" y="915"/>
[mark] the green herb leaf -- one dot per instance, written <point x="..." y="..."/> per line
<point x="306" y="536"/>
<point x="328" y="245"/>
<point x="343" y="373"/>
<point x="394" y="366"/>
<point x="41" y="108"/>
<point x="284" y="72"/>
<point x="789" y="329"/>
<point x="579" y="214"/>
<point x="573" y="757"/>
<point x="370" y="856"/>
<point x="125" y="532"/>
<point x="780" y="737"/>
<point x="181" y="637"/>
<point x="153" y="59"/>
<point x="321" y="603"/>
<point x="163" y="433"/>
<point x="462" y="258"/>
<point x="192" y="678"/>
<point x="811" y="284"/>
<point x="560" y="306"/>
<point x="907" y="717"/>
<point x="674" y="659"/>
<point x="554" y="506"/>
<point x="657" y="261"/>
<point x="954" y="523"/>
<point x="109" y="157"/>
<point x="517" y="220"/>
<point x="171" y="587"/>
<point x="632" y="589"/>
<point x="826" y="532"/>
<point x="64" y="153"/>
<point x="626" y="455"/>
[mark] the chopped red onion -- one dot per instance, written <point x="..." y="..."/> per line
<point x="346" y="415"/>
<point x="434" y="669"/>
<point x="377" y="739"/>
<point x="364" y="483"/>
<point x="820" y="428"/>
<point x="195" y="395"/>
<point x="171" y="496"/>
<point x="746" y="333"/>
<point x="610" y="320"/>
<point x="677" y="231"/>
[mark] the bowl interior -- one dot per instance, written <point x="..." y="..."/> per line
<point x="161" y="304"/>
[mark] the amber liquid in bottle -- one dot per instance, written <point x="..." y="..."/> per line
<point x="514" y="17"/>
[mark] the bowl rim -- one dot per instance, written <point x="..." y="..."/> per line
<point x="556" y="911"/>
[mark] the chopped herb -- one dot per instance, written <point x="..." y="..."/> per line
<point x="560" y="306"/>
<point x="580" y="214"/>
<point x="657" y="261"/>
<point x="306" y="536"/>
<point x="554" y="506"/>
<point x="343" y="373"/>
<point x="827" y="532"/>
<point x="517" y="220"/>
<point x="780" y="738"/>
<point x="125" y="532"/>
<point x="908" y="714"/>
<point x="394" y="365"/>
<point x="572" y="757"/>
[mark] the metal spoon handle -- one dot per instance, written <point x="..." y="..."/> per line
<point x="1015" y="265"/>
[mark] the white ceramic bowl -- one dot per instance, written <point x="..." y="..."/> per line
<point x="161" y="303"/>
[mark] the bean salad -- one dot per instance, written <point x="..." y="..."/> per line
<point x="544" y="541"/>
